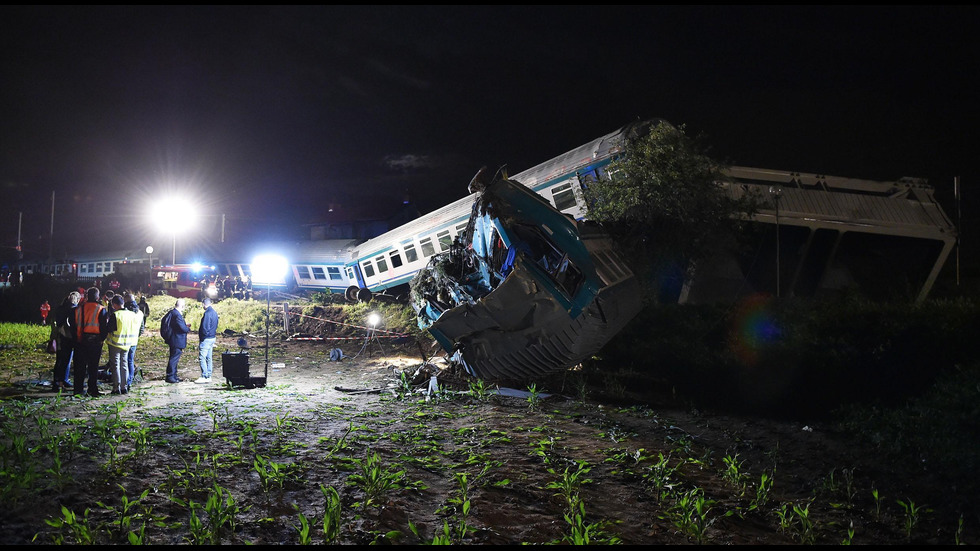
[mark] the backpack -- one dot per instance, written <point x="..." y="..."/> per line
<point x="165" y="330"/>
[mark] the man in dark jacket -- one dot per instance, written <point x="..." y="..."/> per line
<point x="64" y="322"/>
<point x="91" y="329"/>
<point x="208" y="333"/>
<point x="178" y="339"/>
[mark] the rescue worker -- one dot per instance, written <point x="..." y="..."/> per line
<point x="45" y="308"/>
<point x="124" y="327"/>
<point x="64" y="322"/>
<point x="92" y="327"/>
<point x="132" y="306"/>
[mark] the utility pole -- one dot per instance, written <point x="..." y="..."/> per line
<point x="959" y="226"/>
<point x="777" y="193"/>
<point x="20" y="219"/>
<point x="51" y="234"/>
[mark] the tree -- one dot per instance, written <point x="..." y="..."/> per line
<point x="664" y="203"/>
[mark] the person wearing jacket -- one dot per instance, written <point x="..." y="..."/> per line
<point x="131" y="305"/>
<point x="178" y="339"/>
<point x="64" y="326"/>
<point x="91" y="329"/>
<point x="207" y="332"/>
<point x="124" y="327"/>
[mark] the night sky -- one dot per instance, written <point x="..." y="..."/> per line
<point x="270" y="115"/>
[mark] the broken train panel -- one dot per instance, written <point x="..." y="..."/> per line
<point x="527" y="290"/>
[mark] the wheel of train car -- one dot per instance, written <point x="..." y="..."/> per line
<point x="363" y="295"/>
<point x="351" y="293"/>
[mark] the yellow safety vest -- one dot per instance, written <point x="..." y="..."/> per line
<point x="127" y="331"/>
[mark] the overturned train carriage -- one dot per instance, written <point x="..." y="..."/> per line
<point x="525" y="290"/>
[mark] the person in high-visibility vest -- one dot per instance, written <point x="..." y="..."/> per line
<point x="45" y="308"/>
<point x="124" y="332"/>
<point x="91" y="328"/>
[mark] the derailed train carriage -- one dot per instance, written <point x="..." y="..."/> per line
<point x="525" y="290"/>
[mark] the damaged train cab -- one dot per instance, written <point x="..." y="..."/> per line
<point x="525" y="290"/>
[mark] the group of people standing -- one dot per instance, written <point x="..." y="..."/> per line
<point x="174" y="330"/>
<point x="240" y="288"/>
<point x="83" y="325"/>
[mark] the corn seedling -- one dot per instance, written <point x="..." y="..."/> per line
<point x="124" y="512"/>
<point x="374" y="479"/>
<point x="141" y="441"/>
<point x="404" y="388"/>
<point x="733" y="472"/>
<point x="913" y="514"/>
<point x="222" y="511"/>
<point x="801" y="524"/>
<point x="199" y="533"/>
<point x="850" y="534"/>
<point x="660" y="474"/>
<point x="216" y="413"/>
<point x="303" y="528"/>
<point x="533" y="397"/>
<point x="691" y="513"/>
<point x="270" y="472"/>
<point x="479" y="390"/>
<point x="762" y="492"/>
<point x="331" y="514"/>
<point x="877" y="498"/>
<point x="444" y="538"/>
<point x="462" y="506"/>
<point x="80" y="531"/>
<point x="843" y="485"/>
<point x="569" y="483"/>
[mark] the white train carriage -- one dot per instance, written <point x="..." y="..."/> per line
<point x="391" y="260"/>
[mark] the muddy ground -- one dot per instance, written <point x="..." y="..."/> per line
<point x="644" y="470"/>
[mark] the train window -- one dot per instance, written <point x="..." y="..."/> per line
<point x="98" y="266"/>
<point x="396" y="259"/>
<point x="382" y="264"/>
<point x="368" y="269"/>
<point x="445" y="240"/>
<point x="563" y="196"/>
<point x="318" y="273"/>
<point x="350" y="273"/>
<point x="460" y="228"/>
<point x="303" y="272"/>
<point x="334" y="273"/>
<point x="83" y="269"/>
<point x="410" y="254"/>
<point x="427" y="248"/>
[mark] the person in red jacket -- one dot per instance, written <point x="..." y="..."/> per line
<point x="45" y="308"/>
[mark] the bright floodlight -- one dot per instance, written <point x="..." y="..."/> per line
<point x="374" y="319"/>
<point x="269" y="268"/>
<point x="149" y="249"/>
<point x="174" y="215"/>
